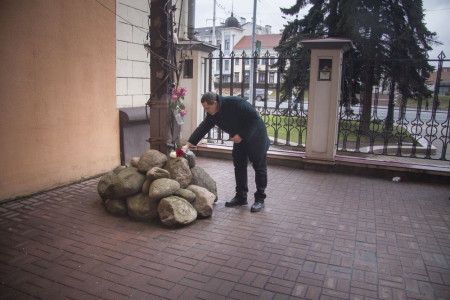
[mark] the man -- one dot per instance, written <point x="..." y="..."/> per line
<point x="240" y="120"/>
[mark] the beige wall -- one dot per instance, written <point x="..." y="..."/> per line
<point x="58" y="116"/>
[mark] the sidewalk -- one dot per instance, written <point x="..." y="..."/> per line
<point x="321" y="236"/>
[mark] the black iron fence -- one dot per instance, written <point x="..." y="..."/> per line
<point x="396" y="121"/>
<point x="284" y="112"/>
<point x="412" y="127"/>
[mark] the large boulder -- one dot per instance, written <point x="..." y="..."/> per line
<point x="190" y="156"/>
<point x="204" y="200"/>
<point x="126" y="183"/>
<point x="116" y="207"/>
<point x="157" y="173"/>
<point x="174" y="210"/>
<point x="201" y="178"/>
<point x="185" y="194"/>
<point x="163" y="187"/>
<point x="142" y="207"/>
<point x="103" y="184"/>
<point x="134" y="161"/>
<point x="179" y="170"/>
<point x="149" y="159"/>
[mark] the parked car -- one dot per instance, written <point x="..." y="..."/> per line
<point x="259" y="95"/>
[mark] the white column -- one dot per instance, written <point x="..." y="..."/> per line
<point x="324" y="96"/>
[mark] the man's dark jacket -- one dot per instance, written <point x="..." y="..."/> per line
<point x="236" y="116"/>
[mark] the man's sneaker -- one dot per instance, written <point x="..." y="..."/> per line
<point x="235" y="202"/>
<point x="257" y="206"/>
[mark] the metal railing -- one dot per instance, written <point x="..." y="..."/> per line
<point x="399" y="126"/>
<point x="419" y="129"/>
<point x="285" y="115"/>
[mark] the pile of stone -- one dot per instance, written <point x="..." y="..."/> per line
<point x="156" y="186"/>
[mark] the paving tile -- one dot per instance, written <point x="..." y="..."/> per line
<point x="321" y="236"/>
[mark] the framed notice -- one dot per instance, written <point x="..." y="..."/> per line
<point x="325" y="69"/>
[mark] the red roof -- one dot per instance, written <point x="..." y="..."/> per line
<point x="267" y="41"/>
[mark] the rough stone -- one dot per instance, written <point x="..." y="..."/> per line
<point x="126" y="183"/>
<point x="142" y="207"/>
<point x="146" y="186"/>
<point x="118" y="169"/>
<point x="185" y="194"/>
<point x="134" y="161"/>
<point x="103" y="184"/>
<point x="151" y="158"/>
<point x="179" y="170"/>
<point x="174" y="210"/>
<point x="116" y="207"/>
<point x="156" y="173"/>
<point x="201" y="178"/>
<point x="204" y="200"/>
<point x="190" y="158"/>
<point x="163" y="187"/>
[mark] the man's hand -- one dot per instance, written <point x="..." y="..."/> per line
<point x="236" y="139"/>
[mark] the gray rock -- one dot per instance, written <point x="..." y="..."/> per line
<point x="116" y="207"/>
<point x="103" y="184"/>
<point x="146" y="186"/>
<point x="204" y="200"/>
<point x="201" y="178"/>
<point x="142" y="207"/>
<point x="134" y="161"/>
<point x="185" y="194"/>
<point x="156" y="173"/>
<point x="179" y="170"/>
<point x="118" y="169"/>
<point x="163" y="187"/>
<point x="190" y="158"/>
<point x="126" y="183"/>
<point x="176" y="211"/>
<point x="151" y="158"/>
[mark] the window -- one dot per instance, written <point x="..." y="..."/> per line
<point x="217" y="65"/>
<point x="236" y="62"/>
<point x="188" y="70"/>
<point x="247" y="76"/>
<point x="272" y="77"/>
<point x="272" y="60"/>
<point x="227" y="65"/>
<point x="247" y="61"/>
<point x="227" y="44"/>
<point x="236" y="76"/>
<point x="261" y="76"/>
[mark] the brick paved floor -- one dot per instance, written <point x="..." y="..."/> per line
<point x="321" y="236"/>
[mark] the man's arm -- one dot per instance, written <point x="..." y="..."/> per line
<point x="205" y="126"/>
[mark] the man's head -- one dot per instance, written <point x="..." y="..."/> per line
<point x="210" y="103"/>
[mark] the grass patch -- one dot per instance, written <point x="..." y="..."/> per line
<point x="293" y="128"/>
<point x="443" y="103"/>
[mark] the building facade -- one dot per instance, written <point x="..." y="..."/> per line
<point x="226" y="37"/>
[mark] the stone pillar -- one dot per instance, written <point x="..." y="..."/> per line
<point x="324" y="95"/>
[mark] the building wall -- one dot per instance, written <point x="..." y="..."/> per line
<point x="58" y="118"/>
<point x="133" y="70"/>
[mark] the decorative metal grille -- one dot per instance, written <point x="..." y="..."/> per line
<point x="399" y="125"/>
<point x="285" y="115"/>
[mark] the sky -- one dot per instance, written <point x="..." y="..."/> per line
<point x="268" y="12"/>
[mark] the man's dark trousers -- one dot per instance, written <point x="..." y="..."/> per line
<point x="241" y="155"/>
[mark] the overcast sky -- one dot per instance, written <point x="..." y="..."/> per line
<point x="268" y="12"/>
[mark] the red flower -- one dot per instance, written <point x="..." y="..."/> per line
<point x="180" y="152"/>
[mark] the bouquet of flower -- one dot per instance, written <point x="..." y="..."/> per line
<point x="178" y="152"/>
<point x="176" y="104"/>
